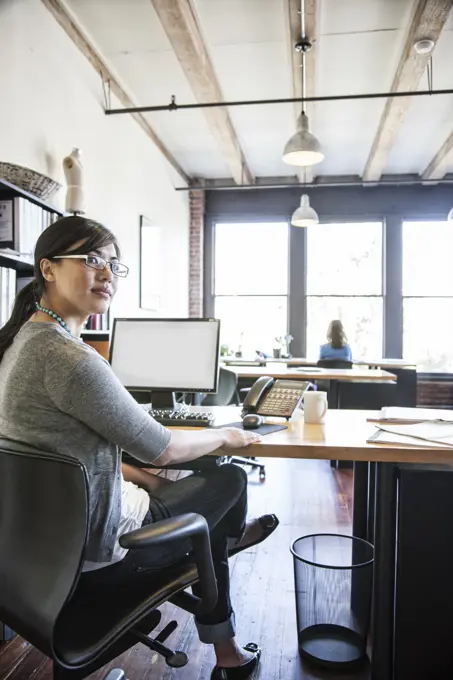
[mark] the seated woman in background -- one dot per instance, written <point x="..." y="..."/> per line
<point x="337" y="346"/>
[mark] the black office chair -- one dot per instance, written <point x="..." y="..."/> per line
<point x="228" y="394"/>
<point x="334" y="363"/>
<point x="43" y="532"/>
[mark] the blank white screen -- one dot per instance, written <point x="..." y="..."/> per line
<point x="174" y="354"/>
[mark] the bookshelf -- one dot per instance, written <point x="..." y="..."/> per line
<point x="23" y="217"/>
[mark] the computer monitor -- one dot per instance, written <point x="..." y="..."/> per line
<point x="166" y="356"/>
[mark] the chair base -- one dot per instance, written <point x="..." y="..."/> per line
<point x="115" y="674"/>
<point x="174" y="659"/>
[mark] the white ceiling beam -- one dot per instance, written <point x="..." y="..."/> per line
<point x="294" y="33"/>
<point x="427" y="22"/>
<point x="68" y="23"/>
<point x="180" y="23"/>
<point x="437" y="168"/>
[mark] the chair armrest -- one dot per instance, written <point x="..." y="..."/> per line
<point x="203" y="463"/>
<point x="188" y="526"/>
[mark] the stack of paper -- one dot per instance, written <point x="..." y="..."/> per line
<point x="398" y="415"/>
<point x="431" y="434"/>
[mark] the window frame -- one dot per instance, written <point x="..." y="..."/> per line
<point x="383" y="281"/>
<point x="209" y="302"/>
<point x="435" y="217"/>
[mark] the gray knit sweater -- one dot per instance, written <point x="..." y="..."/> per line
<point x="58" y="394"/>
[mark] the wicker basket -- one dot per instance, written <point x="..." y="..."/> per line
<point x="34" y="182"/>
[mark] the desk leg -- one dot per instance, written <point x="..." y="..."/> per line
<point x="371" y="500"/>
<point x="360" y="500"/>
<point x="333" y="394"/>
<point x="359" y="530"/>
<point x="332" y="391"/>
<point x="384" y="571"/>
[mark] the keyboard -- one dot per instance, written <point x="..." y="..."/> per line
<point x="169" y="417"/>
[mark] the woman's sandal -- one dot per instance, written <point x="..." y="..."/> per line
<point x="268" y="523"/>
<point x="239" y="672"/>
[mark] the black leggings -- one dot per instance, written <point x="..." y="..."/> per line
<point x="220" y="495"/>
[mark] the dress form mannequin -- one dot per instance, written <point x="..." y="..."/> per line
<point x="73" y="170"/>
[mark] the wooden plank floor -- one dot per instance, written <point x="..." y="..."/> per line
<point x="308" y="496"/>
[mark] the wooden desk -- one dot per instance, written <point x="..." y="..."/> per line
<point x="276" y="370"/>
<point x="344" y="436"/>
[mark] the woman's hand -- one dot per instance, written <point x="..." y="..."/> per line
<point x="238" y="439"/>
<point x="186" y="445"/>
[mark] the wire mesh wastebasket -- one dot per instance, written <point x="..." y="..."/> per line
<point x="333" y="576"/>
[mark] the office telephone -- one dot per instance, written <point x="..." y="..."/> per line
<point x="269" y="397"/>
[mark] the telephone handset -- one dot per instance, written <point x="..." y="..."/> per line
<point x="269" y="397"/>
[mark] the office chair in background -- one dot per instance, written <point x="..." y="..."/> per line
<point x="227" y="390"/>
<point x="43" y="532"/>
<point x="227" y="394"/>
<point x="334" y="363"/>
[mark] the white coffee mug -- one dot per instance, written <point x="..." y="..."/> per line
<point x="315" y="407"/>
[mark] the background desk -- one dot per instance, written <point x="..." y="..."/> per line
<point x="362" y="389"/>
<point x="277" y="370"/>
<point x="303" y="361"/>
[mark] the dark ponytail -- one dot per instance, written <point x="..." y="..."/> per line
<point x="58" y="239"/>
<point x="24" y="307"/>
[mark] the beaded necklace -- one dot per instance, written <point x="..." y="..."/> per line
<point x="55" y="316"/>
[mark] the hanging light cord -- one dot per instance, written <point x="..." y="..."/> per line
<point x="429" y="72"/>
<point x="302" y="30"/>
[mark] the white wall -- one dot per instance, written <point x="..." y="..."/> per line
<point x="51" y="101"/>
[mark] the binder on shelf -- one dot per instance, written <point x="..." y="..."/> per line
<point x="7" y="293"/>
<point x="21" y="224"/>
<point x="6" y="221"/>
<point x="98" y="322"/>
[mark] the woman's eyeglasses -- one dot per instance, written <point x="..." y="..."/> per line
<point x="98" y="263"/>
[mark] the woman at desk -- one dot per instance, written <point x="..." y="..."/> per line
<point x="58" y="394"/>
<point x="337" y="343"/>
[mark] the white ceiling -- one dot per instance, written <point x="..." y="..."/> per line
<point x="359" y="43"/>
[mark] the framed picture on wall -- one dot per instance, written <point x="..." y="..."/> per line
<point x="150" y="265"/>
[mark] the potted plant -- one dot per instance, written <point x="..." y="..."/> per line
<point x="281" y="346"/>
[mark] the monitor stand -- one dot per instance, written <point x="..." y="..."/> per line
<point x="163" y="400"/>
<point x="156" y="398"/>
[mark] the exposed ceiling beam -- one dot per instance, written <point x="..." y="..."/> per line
<point x="182" y="28"/>
<point x="427" y="22"/>
<point x="321" y="181"/>
<point x="63" y="16"/>
<point x="438" y="166"/>
<point x="293" y="15"/>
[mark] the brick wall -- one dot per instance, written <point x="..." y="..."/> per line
<point x="197" y="208"/>
<point x="434" y="393"/>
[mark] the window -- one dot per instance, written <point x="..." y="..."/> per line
<point x="428" y="295"/>
<point x="251" y="284"/>
<point x="344" y="281"/>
